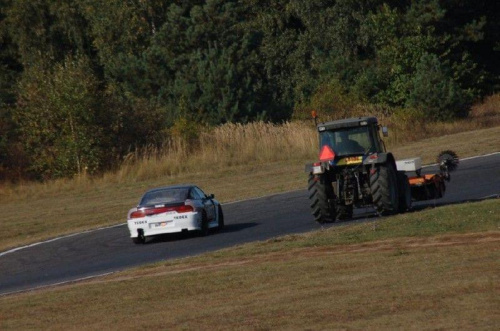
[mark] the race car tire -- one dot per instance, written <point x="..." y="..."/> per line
<point x="220" y="218"/>
<point x="140" y="239"/>
<point x="384" y="188"/>
<point x="204" y="231"/>
<point x="321" y="196"/>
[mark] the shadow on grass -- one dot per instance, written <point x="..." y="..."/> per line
<point x="228" y="228"/>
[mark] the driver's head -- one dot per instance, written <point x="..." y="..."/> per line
<point x="343" y="135"/>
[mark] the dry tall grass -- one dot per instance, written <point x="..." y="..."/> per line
<point x="255" y="143"/>
<point x="259" y="142"/>
<point x="224" y="146"/>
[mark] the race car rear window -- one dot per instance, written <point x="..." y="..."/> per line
<point x="164" y="196"/>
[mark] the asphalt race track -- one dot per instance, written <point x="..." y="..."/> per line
<point x="108" y="250"/>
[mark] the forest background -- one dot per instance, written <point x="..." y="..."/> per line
<point x="84" y="83"/>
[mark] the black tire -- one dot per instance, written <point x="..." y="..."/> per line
<point x="220" y="218"/>
<point x="404" y="192"/>
<point x="140" y="239"/>
<point x="204" y="231"/>
<point x="384" y="187"/>
<point x="321" y="195"/>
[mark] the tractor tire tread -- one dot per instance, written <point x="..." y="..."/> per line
<point x="380" y="184"/>
<point x="320" y="206"/>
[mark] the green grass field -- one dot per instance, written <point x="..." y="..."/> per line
<point x="433" y="269"/>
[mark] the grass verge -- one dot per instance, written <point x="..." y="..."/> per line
<point x="435" y="269"/>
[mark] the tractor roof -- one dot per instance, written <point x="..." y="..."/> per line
<point x="347" y="123"/>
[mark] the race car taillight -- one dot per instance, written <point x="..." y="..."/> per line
<point x="160" y="210"/>
<point x="184" y="209"/>
<point x="138" y="214"/>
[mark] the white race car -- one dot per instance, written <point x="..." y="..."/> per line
<point x="174" y="209"/>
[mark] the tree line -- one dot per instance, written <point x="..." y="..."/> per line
<point x="84" y="82"/>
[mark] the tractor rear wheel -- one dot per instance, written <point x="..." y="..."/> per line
<point x="384" y="187"/>
<point x="321" y="195"/>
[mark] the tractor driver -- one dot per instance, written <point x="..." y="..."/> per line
<point x="345" y="145"/>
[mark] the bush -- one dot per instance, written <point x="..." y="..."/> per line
<point x="188" y="131"/>
<point x="57" y="118"/>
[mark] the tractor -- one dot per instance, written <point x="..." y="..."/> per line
<point x="355" y="170"/>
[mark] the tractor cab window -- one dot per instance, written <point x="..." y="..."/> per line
<point x="349" y="141"/>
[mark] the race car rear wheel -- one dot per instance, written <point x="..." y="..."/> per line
<point x="220" y="218"/>
<point x="344" y="212"/>
<point x="140" y="239"/>
<point x="204" y="225"/>
<point x="321" y="196"/>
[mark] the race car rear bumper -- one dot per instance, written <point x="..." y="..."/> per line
<point x="151" y="226"/>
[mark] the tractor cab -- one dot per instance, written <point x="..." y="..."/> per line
<point x="351" y="137"/>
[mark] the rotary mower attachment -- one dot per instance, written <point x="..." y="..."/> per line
<point x="429" y="186"/>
